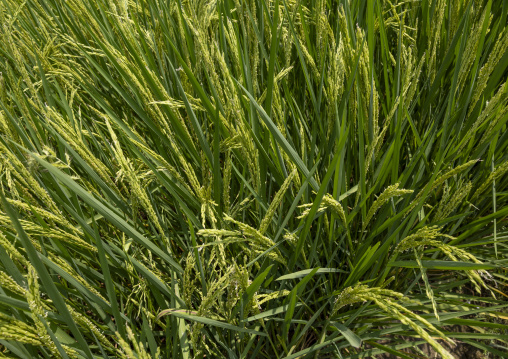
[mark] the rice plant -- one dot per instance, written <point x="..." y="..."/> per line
<point x="253" y="178"/>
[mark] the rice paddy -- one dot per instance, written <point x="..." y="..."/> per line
<point x="253" y="178"/>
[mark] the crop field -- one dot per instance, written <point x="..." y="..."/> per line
<point x="253" y="179"/>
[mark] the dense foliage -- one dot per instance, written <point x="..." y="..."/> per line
<point x="252" y="178"/>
